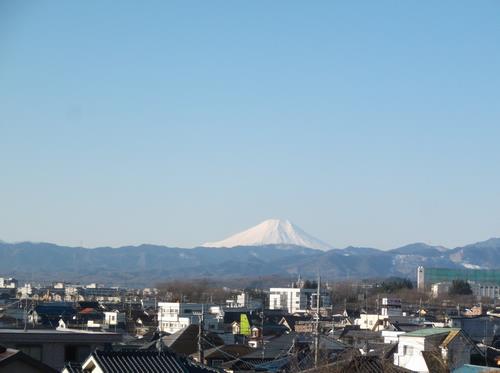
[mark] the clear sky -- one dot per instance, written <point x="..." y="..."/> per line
<point x="373" y="123"/>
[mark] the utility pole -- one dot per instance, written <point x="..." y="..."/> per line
<point x="26" y="315"/>
<point x="201" y="353"/>
<point x="316" y="336"/>
<point x="262" y="332"/>
<point x="378" y="311"/>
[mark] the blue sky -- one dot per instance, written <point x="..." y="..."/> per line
<point x="371" y="123"/>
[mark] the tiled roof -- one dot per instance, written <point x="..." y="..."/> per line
<point x="73" y="368"/>
<point x="87" y="310"/>
<point x="146" y="361"/>
<point x="19" y="359"/>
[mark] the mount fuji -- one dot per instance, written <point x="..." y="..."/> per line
<point x="272" y="232"/>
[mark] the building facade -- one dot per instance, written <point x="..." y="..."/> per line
<point x="173" y="316"/>
<point x="296" y="300"/>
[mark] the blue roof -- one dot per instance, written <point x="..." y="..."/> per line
<point x="469" y="368"/>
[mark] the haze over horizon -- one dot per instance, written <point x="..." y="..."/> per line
<point x="366" y="124"/>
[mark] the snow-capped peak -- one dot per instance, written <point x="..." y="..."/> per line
<point x="272" y="231"/>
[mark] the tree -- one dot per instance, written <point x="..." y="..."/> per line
<point x="395" y="284"/>
<point x="196" y="290"/>
<point x="460" y="287"/>
<point x="310" y="284"/>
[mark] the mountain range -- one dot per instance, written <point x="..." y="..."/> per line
<point x="146" y="265"/>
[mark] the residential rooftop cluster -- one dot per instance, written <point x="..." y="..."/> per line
<point x="302" y="327"/>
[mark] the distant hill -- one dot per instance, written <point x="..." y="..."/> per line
<point x="146" y="265"/>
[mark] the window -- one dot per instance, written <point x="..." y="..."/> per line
<point x="407" y="350"/>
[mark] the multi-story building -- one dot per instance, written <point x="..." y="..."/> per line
<point x="440" y="288"/>
<point x="8" y="283"/>
<point x="391" y="307"/>
<point x="241" y="301"/>
<point x="484" y="282"/>
<point x="173" y="316"/>
<point x="486" y="290"/>
<point x="296" y="300"/>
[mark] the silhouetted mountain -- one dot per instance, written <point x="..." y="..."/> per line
<point x="484" y="254"/>
<point x="145" y="265"/>
<point x="420" y="248"/>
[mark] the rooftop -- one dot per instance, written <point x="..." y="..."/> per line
<point x="53" y="331"/>
<point x="426" y="332"/>
<point x="146" y="361"/>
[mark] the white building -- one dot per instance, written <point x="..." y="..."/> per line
<point x="391" y="307"/>
<point x="486" y="291"/>
<point x="296" y="300"/>
<point x="391" y="336"/>
<point x="450" y="344"/>
<point x="440" y="288"/>
<point x="8" y="283"/>
<point x="25" y="291"/>
<point x="372" y="321"/>
<point x="292" y="300"/>
<point x="113" y="318"/>
<point x="173" y="316"/>
<point x="479" y="290"/>
<point x="241" y="301"/>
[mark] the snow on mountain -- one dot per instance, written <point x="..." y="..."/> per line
<point x="269" y="232"/>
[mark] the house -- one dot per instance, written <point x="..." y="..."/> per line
<point x="479" y="328"/>
<point x="289" y="321"/>
<point x="360" y="363"/>
<point x="55" y="347"/>
<point x="276" y="350"/>
<point x="50" y="313"/>
<point x="216" y="356"/>
<point x="329" y="348"/>
<point x="420" y="349"/>
<point x="360" y="339"/>
<point x="185" y="341"/>
<point x="164" y="361"/>
<point x="15" y="361"/>
<point x="72" y="367"/>
<point x="113" y="318"/>
<point x="374" y="321"/>
<point x="232" y="316"/>
<point x="395" y="329"/>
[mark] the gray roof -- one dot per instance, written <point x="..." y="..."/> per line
<point x="146" y="361"/>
